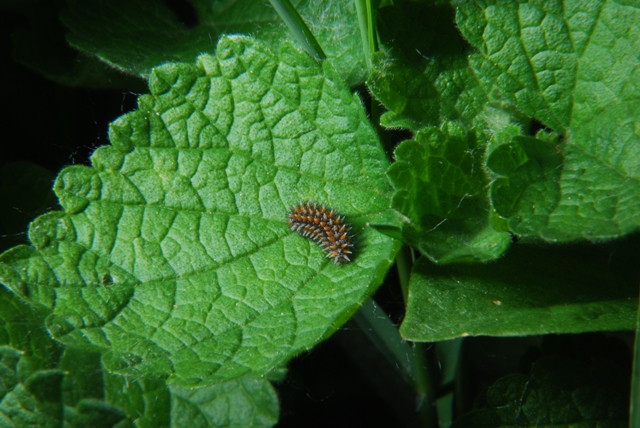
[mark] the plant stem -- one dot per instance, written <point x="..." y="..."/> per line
<point x="377" y="326"/>
<point x="367" y="22"/>
<point x="404" y="261"/>
<point x="297" y="26"/>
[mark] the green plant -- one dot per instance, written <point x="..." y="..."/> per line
<point x="169" y="290"/>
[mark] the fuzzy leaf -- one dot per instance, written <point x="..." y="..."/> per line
<point x="441" y="191"/>
<point x="422" y="75"/>
<point x="237" y="403"/>
<point x="31" y="399"/>
<point x="173" y="252"/>
<point x="103" y="28"/>
<point x="575" y="67"/>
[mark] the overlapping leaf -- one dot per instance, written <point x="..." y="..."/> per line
<point x="441" y="189"/>
<point x="422" y="75"/>
<point x="530" y="291"/>
<point x="559" y="392"/>
<point x="424" y="78"/>
<point x="174" y="254"/>
<point x="575" y="67"/>
<point x="113" y="31"/>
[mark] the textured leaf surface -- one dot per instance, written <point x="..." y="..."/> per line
<point x="441" y="188"/>
<point x="574" y="66"/>
<point x="237" y="403"/>
<point x="422" y="75"/>
<point x="39" y="388"/>
<point x="30" y="391"/>
<point x="21" y="328"/>
<point x="559" y="392"/>
<point x="150" y="403"/>
<point x="33" y="402"/>
<point x="113" y="31"/>
<point x="529" y="291"/>
<point x="173" y="252"/>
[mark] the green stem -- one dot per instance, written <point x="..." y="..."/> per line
<point x="366" y="12"/>
<point x="377" y="326"/>
<point x="424" y="364"/>
<point x="298" y="27"/>
<point x="403" y="264"/>
<point x="361" y="10"/>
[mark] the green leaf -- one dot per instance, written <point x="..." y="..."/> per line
<point x="84" y="376"/>
<point x="34" y="402"/>
<point x="22" y="329"/>
<point x="574" y="67"/>
<point x="114" y="32"/>
<point x="42" y="47"/>
<point x="530" y="291"/>
<point x="559" y="392"/>
<point x="174" y="254"/>
<point x="34" y="395"/>
<point x="441" y="188"/>
<point x="147" y="401"/>
<point x="95" y="413"/>
<point x="237" y="403"/>
<point x="524" y="190"/>
<point x="422" y="76"/>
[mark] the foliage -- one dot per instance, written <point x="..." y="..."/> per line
<point x="167" y="288"/>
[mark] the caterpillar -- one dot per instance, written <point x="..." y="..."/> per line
<point x="324" y="226"/>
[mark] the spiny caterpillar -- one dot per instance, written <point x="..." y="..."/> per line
<point x="324" y="226"/>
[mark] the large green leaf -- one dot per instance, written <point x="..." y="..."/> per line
<point x="530" y="291"/>
<point x="173" y="252"/>
<point x="574" y="66"/>
<point x="441" y="191"/>
<point x="115" y="31"/>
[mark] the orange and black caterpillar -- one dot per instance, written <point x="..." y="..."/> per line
<point x="324" y="226"/>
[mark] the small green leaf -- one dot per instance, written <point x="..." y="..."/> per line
<point x="94" y="413"/>
<point x="173" y="255"/>
<point x="34" y="402"/>
<point x="21" y="328"/>
<point x="114" y="32"/>
<point x="530" y="291"/>
<point x="422" y="76"/>
<point x="524" y="190"/>
<point x="574" y="67"/>
<point x="559" y="392"/>
<point x="441" y="188"/>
